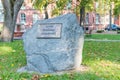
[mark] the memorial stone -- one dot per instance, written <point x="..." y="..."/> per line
<point x="54" y="45"/>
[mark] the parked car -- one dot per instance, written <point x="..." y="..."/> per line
<point x="113" y="27"/>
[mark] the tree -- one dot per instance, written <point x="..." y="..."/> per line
<point x="117" y="8"/>
<point x="60" y="5"/>
<point x="85" y="5"/>
<point x="43" y="4"/>
<point x="11" y="9"/>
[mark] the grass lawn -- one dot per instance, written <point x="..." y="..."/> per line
<point x="103" y="36"/>
<point x="101" y="58"/>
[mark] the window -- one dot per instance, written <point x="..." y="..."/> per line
<point x="1" y="6"/>
<point x="22" y="18"/>
<point x="87" y="18"/>
<point x="35" y="17"/>
<point x="116" y="18"/>
<point x="1" y="12"/>
<point x="1" y="16"/>
<point x="97" y="18"/>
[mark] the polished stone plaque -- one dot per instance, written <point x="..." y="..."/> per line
<point x="49" y="30"/>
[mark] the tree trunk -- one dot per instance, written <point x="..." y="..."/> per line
<point x="82" y="15"/>
<point x="46" y="13"/>
<point x="8" y="28"/>
<point x="11" y="9"/>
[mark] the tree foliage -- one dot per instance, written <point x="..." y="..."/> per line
<point x="85" y="5"/>
<point x="105" y="5"/>
<point x="60" y="5"/>
<point x="117" y="7"/>
<point x="42" y="5"/>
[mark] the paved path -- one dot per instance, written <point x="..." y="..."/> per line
<point x="105" y="32"/>
<point x="17" y="38"/>
<point x="102" y="40"/>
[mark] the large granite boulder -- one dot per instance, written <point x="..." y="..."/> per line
<point x="61" y="51"/>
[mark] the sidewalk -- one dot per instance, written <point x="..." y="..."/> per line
<point x="105" y="32"/>
<point x="102" y="40"/>
<point x="18" y="38"/>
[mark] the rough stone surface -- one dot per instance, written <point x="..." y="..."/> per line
<point x="52" y="55"/>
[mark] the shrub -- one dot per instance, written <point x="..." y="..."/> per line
<point x="100" y="31"/>
<point x="118" y="31"/>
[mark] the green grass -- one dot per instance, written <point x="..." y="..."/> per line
<point x="101" y="58"/>
<point x="103" y="36"/>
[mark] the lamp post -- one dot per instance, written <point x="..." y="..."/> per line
<point x="110" y="13"/>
